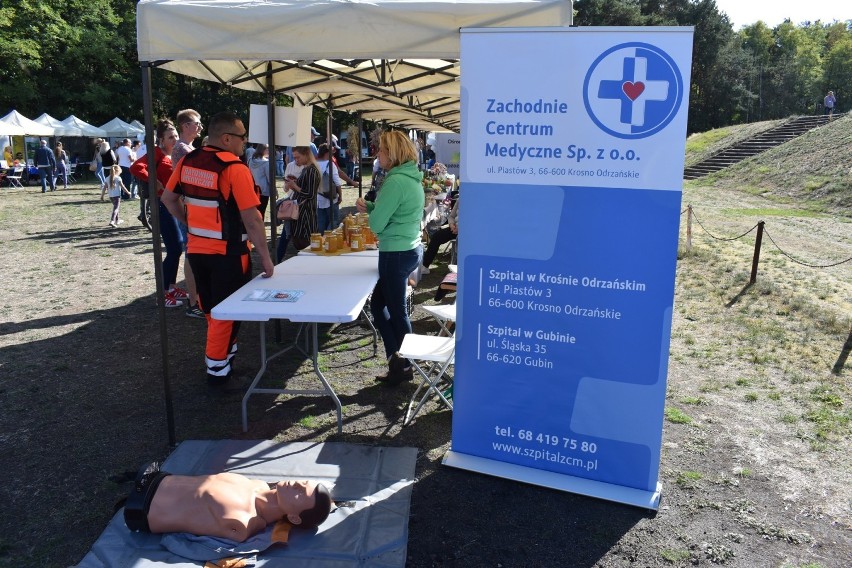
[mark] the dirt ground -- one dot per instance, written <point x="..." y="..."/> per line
<point x="755" y="468"/>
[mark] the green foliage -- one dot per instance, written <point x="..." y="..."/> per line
<point x="757" y="73"/>
<point x="79" y="57"/>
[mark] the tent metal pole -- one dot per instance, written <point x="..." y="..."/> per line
<point x="358" y="151"/>
<point x="150" y="144"/>
<point x="329" y="121"/>
<point x="273" y="190"/>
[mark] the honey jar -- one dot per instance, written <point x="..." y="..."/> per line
<point x="356" y="239"/>
<point x="316" y="242"/>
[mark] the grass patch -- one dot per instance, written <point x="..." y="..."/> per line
<point x="677" y="416"/>
<point x="694" y="400"/>
<point x="674" y="555"/>
<point x="309" y="422"/>
<point x="688" y="478"/>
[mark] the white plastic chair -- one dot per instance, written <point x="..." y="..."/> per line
<point x="14" y="177"/>
<point x="445" y="314"/>
<point x="431" y="356"/>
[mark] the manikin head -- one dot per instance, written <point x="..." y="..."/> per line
<point x="305" y="504"/>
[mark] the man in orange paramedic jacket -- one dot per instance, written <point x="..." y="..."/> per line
<point x="214" y="194"/>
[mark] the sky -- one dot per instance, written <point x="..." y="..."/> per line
<point x="773" y="12"/>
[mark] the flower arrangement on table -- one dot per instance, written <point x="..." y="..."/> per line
<point x="435" y="178"/>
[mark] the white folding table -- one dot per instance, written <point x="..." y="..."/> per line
<point x="335" y="290"/>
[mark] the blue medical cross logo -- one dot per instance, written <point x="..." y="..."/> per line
<point x="649" y="91"/>
<point x="633" y="90"/>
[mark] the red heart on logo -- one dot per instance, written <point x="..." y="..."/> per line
<point x="633" y="90"/>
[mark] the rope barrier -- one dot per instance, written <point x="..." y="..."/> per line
<point x="782" y="251"/>
<point x="719" y="238"/>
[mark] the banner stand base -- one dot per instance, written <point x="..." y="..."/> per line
<point x="591" y="488"/>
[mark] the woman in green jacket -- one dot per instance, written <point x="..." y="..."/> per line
<point x="395" y="218"/>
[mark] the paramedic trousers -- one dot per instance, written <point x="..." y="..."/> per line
<point x="218" y="276"/>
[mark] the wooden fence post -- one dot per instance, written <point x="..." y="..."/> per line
<point x="756" y="258"/>
<point x="689" y="227"/>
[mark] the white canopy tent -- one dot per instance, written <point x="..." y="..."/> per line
<point x="392" y="60"/>
<point x="116" y="128"/>
<point x="84" y="127"/>
<point x="59" y="129"/>
<point x="138" y="126"/>
<point x="355" y="55"/>
<point x="16" y="124"/>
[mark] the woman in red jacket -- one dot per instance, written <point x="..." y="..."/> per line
<point x="167" y="137"/>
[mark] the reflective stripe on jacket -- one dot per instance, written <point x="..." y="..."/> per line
<point x="209" y="214"/>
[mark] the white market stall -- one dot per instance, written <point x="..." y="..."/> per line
<point x="117" y="128"/>
<point x="84" y="127"/>
<point x="394" y="58"/>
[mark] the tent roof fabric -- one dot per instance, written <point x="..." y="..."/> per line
<point x="374" y="56"/>
<point x="86" y="128"/>
<point x="59" y="129"/>
<point x="16" y="124"/>
<point x="117" y="127"/>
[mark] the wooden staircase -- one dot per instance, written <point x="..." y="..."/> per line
<point x="755" y="145"/>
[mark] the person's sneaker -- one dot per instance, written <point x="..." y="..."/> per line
<point x="171" y="301"/>
<point x="194" y="312"/>
<point x="112" y="224"/>
<point x="424" y="270"/>
<point x="144" y="220"/>
<point x="179" y="293"/>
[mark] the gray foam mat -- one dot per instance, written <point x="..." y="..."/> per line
<point x="372" y="530"/>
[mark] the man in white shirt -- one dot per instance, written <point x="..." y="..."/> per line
<point x="125" y="159"/>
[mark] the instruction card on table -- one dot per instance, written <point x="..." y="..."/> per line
<point x="265" y="295"/>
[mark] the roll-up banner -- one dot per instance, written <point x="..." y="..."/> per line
<point x="573" y="143"/>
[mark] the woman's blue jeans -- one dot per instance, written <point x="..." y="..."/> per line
<point x="323" y="219"/>
<point x="388" y="302"/>
<point x="173" y="241"/>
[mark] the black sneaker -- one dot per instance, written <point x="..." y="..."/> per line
<point x="195" y="312"/>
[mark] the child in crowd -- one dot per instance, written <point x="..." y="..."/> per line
<point x="116" y="189"/>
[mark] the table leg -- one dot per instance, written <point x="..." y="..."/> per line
<point x="325" y="383"/>
<point x="313" y="354"/>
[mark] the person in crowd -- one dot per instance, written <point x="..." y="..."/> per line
<point x="351" y="158"/>
<point x="116" y="190"/>
<point x="107" y="159"/>
<point x="279" y="161"/>
<point x="46" y="163"/>
<point x="96" y="159"/>
<point x="292" y="171"/>
<point x="124" y="158"/>
<point x="395" y="218"/>
<point x="304" y="190"/>
<point x="7" y="156"/>
<point x="249" y="153"/>
<point x="428" y="156"/>
<point x="137" y="150"/>
<point x="327" y="197"/>
<point x="259" y="166"/>
<point x="223" y="505"/>
<point x="189" y="128"/>
<point x="61" y="158"/>
<point x="218" y="247"/>
<point x="376" y="181"/>
<point x="441" y="237"/>
<point x="314" y="134"/>
<point x="829" y="103"/>
<point x="169" y="230"/>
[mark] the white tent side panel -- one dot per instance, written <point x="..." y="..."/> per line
<point x="305" y="29"/>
